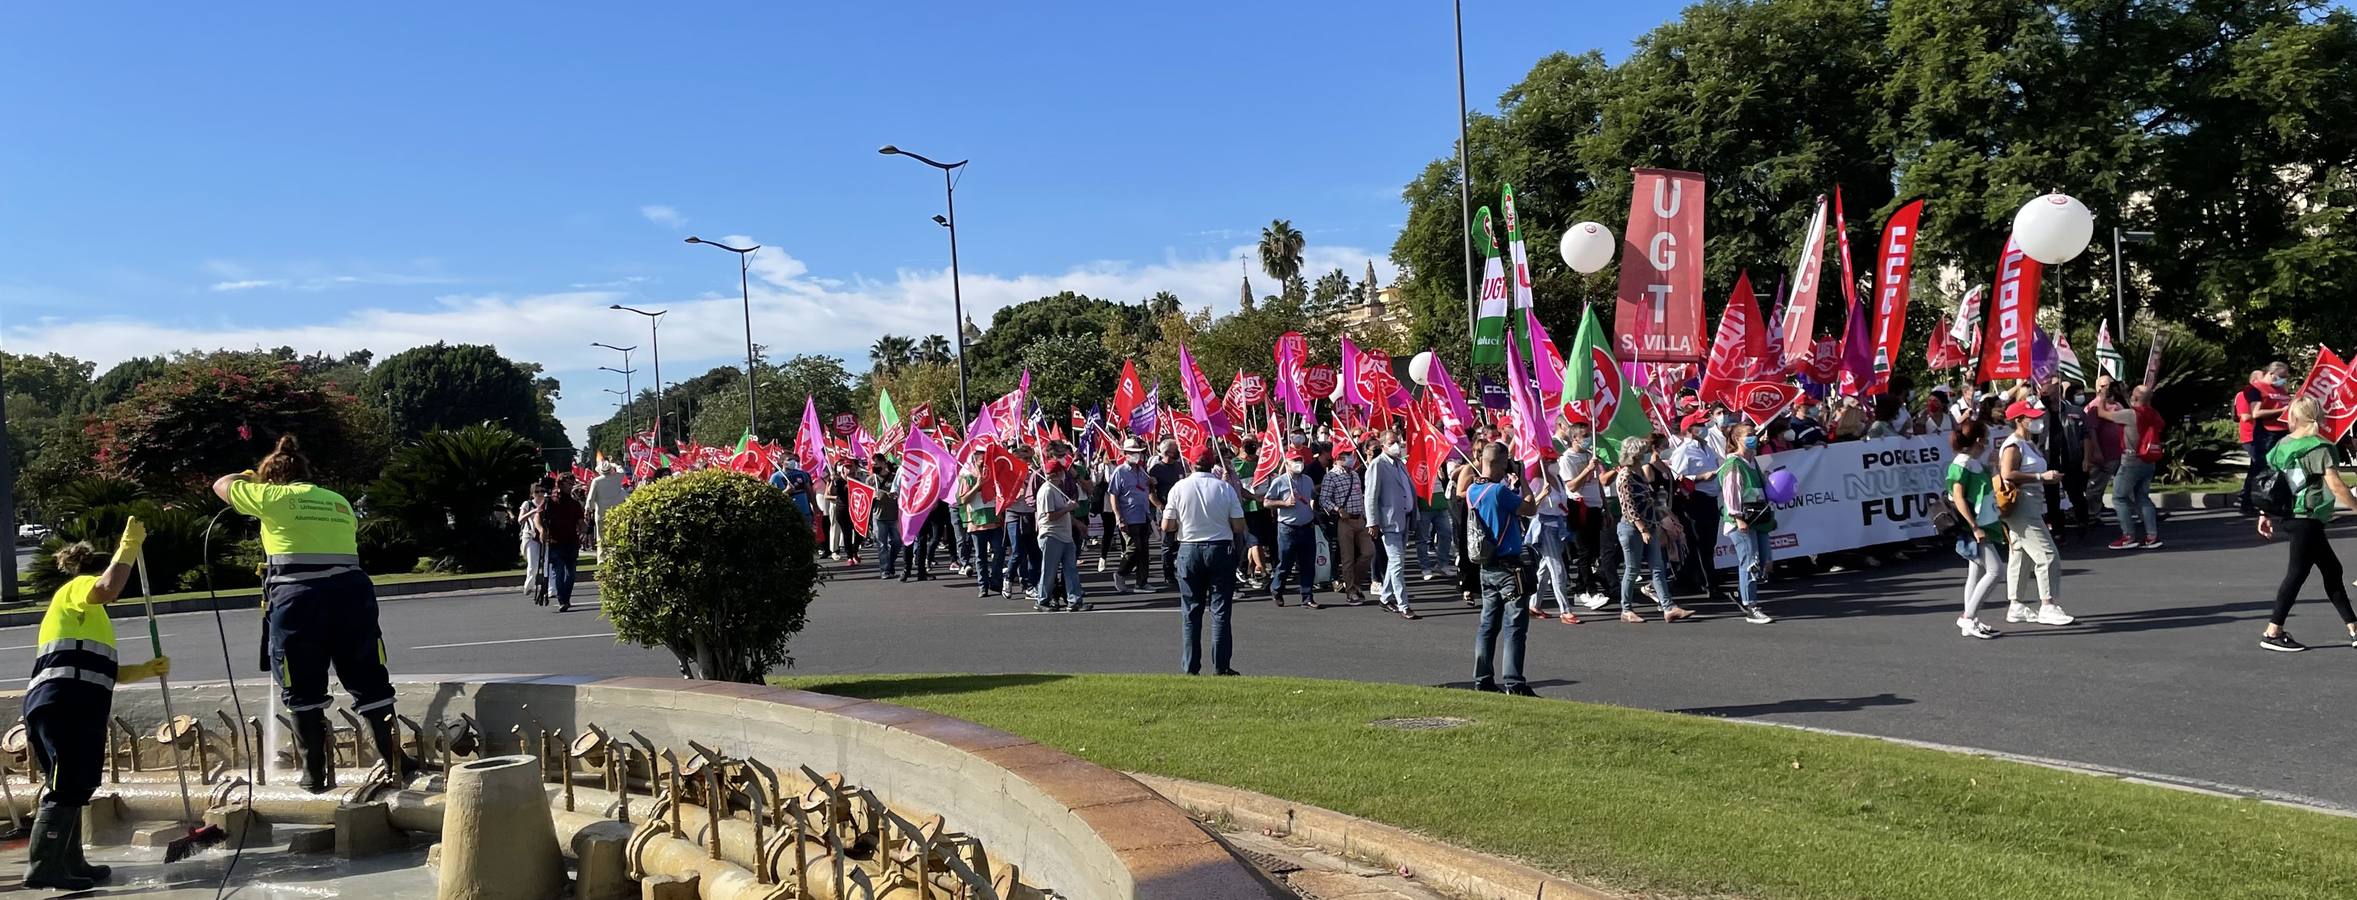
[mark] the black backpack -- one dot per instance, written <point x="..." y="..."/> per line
<point x="2274" y="490"/>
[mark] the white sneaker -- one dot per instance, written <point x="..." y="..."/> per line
<point x="1428" y="576"/>
<point x="1100" y="565"/>
<point x="1975" y="628"/>
<point x="2020" y="612"/>
<point x="1593" y="601"/>
<point x="2051" y="614"/>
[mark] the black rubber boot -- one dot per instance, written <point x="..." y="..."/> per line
<point x="385" y="729"/>
<point x="46" y="863"/>
<point x="311" y="743"/>
<point x="74" y="859"/>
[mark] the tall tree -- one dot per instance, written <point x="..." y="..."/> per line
<point x="935" y="349"/>
<point x="1280" y="250"/>
<point x="449" y="386"/>
<point x="891" y="352"/>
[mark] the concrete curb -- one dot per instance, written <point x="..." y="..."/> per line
<point x="32" y="613"/>
<point x="1461" y="872"/>
<point x="2193" y="500"/>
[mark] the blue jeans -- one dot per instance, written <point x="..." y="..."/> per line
<point x="1022" y="550"/>
<point x="1391" y="587"/>
<point x="1431" y="537"/>
<point x="563" y="562"/>
<point x="1751" y="549"/>
<point x="1634" y="548"/>
<point x="885" y="534"/>
<point x="989" y="545"/>
<point x="1501" y="612"/>
<point x="1207" y="578"/>
<point x="2131" y="500"/>
<point x="1297" y="557"/>
<point x="1059" y="557"/>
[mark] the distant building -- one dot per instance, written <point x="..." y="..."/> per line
<point x="1375" y="306"/>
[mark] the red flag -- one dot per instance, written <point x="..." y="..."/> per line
<point x="1824" y="365"/>
<point x="2331" y="383"/>
<point x="1007" y="475"/>
<point x="1800" y="307"/>
<point x="1428" y="445"/>
<point x="1942" y="352"/>
<point x="1658" y="313"/>
<point x="2005" y="353"/>
<point x="1128" y="394"/>
<point x="1841" y="233"/>
<point x="1189" y="434"/>
<point x="1730" y="358"/>
<point x="863" y="504"/>
<point x="1317" y="383"/>
<point x="1760" y="401"/>
<point x="921" y="417"/>
<point x="1892" y="275"/>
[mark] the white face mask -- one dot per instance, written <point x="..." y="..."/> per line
<point x="1294" y="467"/>
<point x="2035" y="427"/>
<point x="1395" y="450"/>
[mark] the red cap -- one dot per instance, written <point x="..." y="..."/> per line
<point x="1697" y="417"/>
<point x="2023" y="409"/>
<point x="1297" y="453"/>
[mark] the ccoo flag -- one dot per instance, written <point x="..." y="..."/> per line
<point x="2107" y="356"/>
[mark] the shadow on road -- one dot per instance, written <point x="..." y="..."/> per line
<point x="1815" y="704"/>
<point x="888" y="688"/>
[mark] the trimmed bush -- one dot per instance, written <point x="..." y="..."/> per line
<point x="715" y="566"/>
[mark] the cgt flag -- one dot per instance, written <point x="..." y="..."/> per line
<point x="1657" y="314"/>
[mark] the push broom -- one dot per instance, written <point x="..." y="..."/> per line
<point x="200" y="835"/>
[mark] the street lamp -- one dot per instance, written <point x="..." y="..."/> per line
<point x="745" y="288"/>
<point x="957" y="302"/>
<point x="655" y="339"/>
<point x="1465" y="185"/>
<point x="2119" y="291"/>
<point x="626" y="369"/>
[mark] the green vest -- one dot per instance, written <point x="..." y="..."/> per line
<point x="1754" y="493"/>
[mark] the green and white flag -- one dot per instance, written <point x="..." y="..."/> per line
<point x="1596" y="390"/>
<point x="1489" y="327"/>
<point x="2066" y="360"/>
<point x="2107" y="356"/>
<point x="884" y="407"/>
<point x="1521" y="281"/>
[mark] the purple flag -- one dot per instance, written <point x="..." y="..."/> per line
<point x="1452" y="399"/>
<point x="1202" y="401"/>
<point x="925" y="473"/>
<point x="1493" y="394"/>
<point x="1857" y="351"/>
<point x="1147" y="418"/>
<point x="2043" y="359"/>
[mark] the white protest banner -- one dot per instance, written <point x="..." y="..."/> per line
<point x="1854" y="494"/>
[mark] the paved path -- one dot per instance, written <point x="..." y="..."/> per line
<point x="2162" y="674"/>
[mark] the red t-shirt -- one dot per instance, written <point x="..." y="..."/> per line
<point x="2255" y="395"/>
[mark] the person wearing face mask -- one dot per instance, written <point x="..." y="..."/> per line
<point x="1391" y="509"/>
<point x="1294" y="499"/>
<point x="1807" y="429"/>
<point x="1055" y="502"/>
<point x="2031" y="558"/>
<point x="1696" y="461"/>
<point x="1583" y="476"/>
<point x="2258" y="417"/>
<point x="1130" y="491"/>
<point x="1749" y="520"/>
<point x="1166" y="474"/>
<point x="1646" y="531"/>
<point x="1343" y="496"/>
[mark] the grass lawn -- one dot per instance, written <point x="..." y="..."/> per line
<point x="1664" y="804"/>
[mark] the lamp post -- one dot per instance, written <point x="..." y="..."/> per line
<point x="744" y="288"/>
<point x="655" y="340"/>
<point x="2119" y="289"/>
<point x="957" y="303"/>
<point x="1465" y="184"/>
<point x="626" y="370"/>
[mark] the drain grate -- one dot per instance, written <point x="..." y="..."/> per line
<point x="1268" y="863"/>
<point x="1421" y="723"/>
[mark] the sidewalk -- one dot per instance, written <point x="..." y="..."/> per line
<point x="251" y="598"/>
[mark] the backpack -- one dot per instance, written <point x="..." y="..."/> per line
<point x="1480" y="545"/>
<point x="2148" y="435"/>
<point x="2274" y="489"/>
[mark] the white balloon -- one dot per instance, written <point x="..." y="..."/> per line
<point x="2053" y="229"/>
<point x="1588" y="246"/>
<point x="1420" y="368"/>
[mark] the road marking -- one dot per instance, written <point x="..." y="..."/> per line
<point x="32" y="646"/>
<point x="561" y="637"/>
<point x="1090" y="612"/>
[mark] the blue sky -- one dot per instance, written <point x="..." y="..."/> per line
<point x="336" y="177"/>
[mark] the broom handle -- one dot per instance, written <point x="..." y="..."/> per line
<point x="155" y="644"/>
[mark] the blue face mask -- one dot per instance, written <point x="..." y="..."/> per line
<point x="1751" y="445"/>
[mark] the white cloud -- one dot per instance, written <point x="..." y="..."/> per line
<point x="246" y="284"/>
<point x="663" y="215"/>
<point x="794" y="311"/>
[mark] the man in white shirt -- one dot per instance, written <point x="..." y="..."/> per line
<point x="1204" y="516"/>
<point x="605" y="492"/>
<point x="1696" y="463"/>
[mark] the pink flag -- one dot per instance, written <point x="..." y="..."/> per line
<point x="925" y="473"/>
<point x="1201" y="401"/>
<point x="1350" y="375"/>
<point x="810" y="445"/>
<point x="982" y="434"/>
<point x="1456" y="416"/>
<point x="1522" y="398"/>
<point x="1547" y="363"/>
<point x="1292" y="359"/>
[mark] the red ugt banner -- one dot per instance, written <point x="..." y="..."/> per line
<point x="1657" y="316"/>
<point x="2331" y="384"/>
<point x="2005" y="353"/>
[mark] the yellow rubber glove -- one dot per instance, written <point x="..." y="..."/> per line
<point x="127" y="549"/>
<point x="154" y="668"/>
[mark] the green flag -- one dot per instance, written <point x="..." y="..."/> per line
<point x="1489" y="329"/>
<point x="884" y="406"/>
<point x="1595" y="389"/>
<point x="1519" y="279"/>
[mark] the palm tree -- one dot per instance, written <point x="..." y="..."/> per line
<point x="934" y="349"/>
<point x="1280" y="250"/>
<point x="891" y="352"/>
<point x="1163" y="303"/>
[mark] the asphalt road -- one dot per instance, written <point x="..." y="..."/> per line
<point x="2162" y="674"/>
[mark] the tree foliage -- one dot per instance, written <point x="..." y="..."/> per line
<point x="207" y="416"/>
<point x="445" y="386"/>
<point x="720" y="418"/>
<point x="447" y="489"/>
<point x="2222" y="128"/>
<point x="716" y="567"/>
